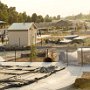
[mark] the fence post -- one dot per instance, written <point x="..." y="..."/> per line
<point x="81" y="56"/>
<point x="46" y="52"/>
<point x="67" y="56"/>
<point x="15" y="54"/>
<point x="41" y="42"/>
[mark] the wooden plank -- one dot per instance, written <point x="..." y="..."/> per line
<point x="12" y="72"/>
<point x="22" y="68"/>
<point x="30" y="76"/>
<point x="5" y="76"/>
<point x="3" y="85"/>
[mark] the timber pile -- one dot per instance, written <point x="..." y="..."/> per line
<point x="17" y="77"/>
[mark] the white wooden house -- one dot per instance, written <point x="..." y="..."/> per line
<point x="22" y="34"/>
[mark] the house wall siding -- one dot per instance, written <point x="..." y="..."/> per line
<point x="18" y="38"/>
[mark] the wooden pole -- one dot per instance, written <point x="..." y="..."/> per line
<point x="81" y="57"/>
<point x="41" y="41"/>
<point x="47" y="52"/>
<point x="67" y="56"/>
<point x="15" y="54"/>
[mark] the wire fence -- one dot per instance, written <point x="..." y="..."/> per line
<point x="66" y="55"/>
<point x="80" y="56"/>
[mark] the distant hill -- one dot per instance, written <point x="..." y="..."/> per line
<point x="79" y="16"/>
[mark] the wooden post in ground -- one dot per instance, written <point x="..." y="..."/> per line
<point x="15" y="54"/>
<point x="47" y="53"/>
<point x="67" y="56"/>
<point x="41" y="42"/>
<point x="81" y="57"/>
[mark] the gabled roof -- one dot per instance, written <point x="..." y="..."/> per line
<point x="44" y="24"/>
<point x="21" y="26"/>
<point x="57" y="23"/>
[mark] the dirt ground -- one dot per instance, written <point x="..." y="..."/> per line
<point x="71" y="87"/>
<point x="83" y="86"/>
<point x="29" y="60"/>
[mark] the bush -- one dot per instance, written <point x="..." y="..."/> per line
<point x="33" y="52"/>
<point x="48" y="59"/>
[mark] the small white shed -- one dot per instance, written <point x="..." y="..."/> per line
<point x="22" y="34"/>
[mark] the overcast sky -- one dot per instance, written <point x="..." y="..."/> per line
<point x="51" y="7"/>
